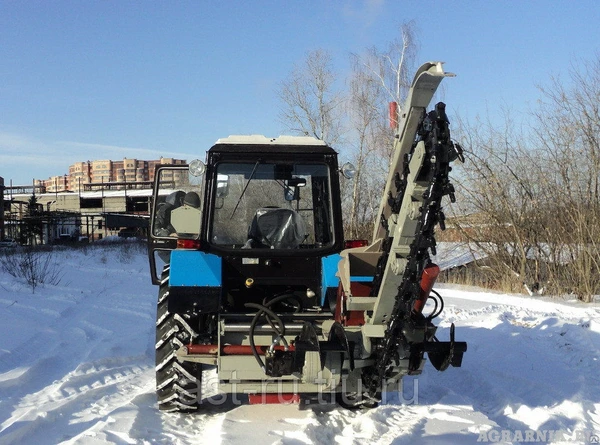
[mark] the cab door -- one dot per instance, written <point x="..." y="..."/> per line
<point x="177" y="197"/>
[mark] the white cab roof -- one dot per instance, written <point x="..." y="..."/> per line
<point x="256" y="139"/>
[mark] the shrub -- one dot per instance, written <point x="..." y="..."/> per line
<point x="33" y="266"/>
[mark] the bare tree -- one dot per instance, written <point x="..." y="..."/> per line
<point x="499" y="190"/>
<point x="568" y="129"/>
<point x="367" y="127"/>
<point x="378" y="77"/>
<point x="393" y="67"/>
<point x="534" y="197"/>
<point x="355" y="122"/>
<point x="311" y="103"/>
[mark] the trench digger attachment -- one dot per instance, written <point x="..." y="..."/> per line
<point x="257" y="284"/>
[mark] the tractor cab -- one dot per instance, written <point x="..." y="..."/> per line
<point x="256" y="198"/>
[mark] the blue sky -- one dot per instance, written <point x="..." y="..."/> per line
<point x="84" y="80"/>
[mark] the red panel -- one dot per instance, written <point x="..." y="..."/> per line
<point x="428" y="278"/>
<point x="361" y="288"/>
<point x="258" y="399"/>
<point x="350" y="244"/>
<point x="393" y="115"/>
<point x="351" y="318"/>
<point x="231" y="349"/>
<point x="188" y="243"/>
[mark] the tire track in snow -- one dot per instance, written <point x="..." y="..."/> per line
<point x="89" y="353"/>
<point x="529" y="366"/>
<point x="84" y="374"/>
<point x="82" y="397"/>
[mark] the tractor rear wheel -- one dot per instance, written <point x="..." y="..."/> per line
<point x="178" y="384"/>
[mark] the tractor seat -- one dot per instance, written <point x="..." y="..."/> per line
<point x="276" y="228"/>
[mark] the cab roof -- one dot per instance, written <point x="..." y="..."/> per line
<point x="259" y="143"/>
<point x="256" y="139"/>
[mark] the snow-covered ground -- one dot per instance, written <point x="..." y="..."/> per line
<point x="76" y="366"/>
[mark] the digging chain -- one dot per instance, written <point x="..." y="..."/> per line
<point x="434" y="131"/>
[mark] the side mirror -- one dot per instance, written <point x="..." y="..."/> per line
<point x="291" y="193"/>
<point x="222" y="185"/>
<point x="348" y="170"/>
<point x="291" y="189"/>
<point x="197" y="168"/>
<point x="295" y="182"/>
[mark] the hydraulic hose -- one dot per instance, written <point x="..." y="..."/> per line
<point x="272" y="319"/>
<point x="438" y="308"/>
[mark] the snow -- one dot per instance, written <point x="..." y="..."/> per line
<point x="455" y="254"/>
<point x="77" y="367"/>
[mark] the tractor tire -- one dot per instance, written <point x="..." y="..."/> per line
<point x="178" y="384"/>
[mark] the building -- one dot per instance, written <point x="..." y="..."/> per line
<point x="79" y="173"/>
<point x="108" y="174"/>
<point x="57" y="184"/>
<point x="65" y="216"/>
<point x="78" y="202"/>
<point x="104" y="171"/>
<point x="1" y="208"/>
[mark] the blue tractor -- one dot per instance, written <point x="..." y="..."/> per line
<point x="257" y="283"/>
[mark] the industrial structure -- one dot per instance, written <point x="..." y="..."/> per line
<point x="96" y="199"/>
<point x="83" y="175"/>
<point x="1" y="208"/>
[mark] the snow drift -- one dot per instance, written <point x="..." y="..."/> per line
<point x="76" y="366"/>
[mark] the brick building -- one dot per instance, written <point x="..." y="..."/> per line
<point x="106" y="171"/>
<point x="1" y="208"/>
